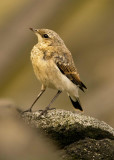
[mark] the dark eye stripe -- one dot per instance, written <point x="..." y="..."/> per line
<point x="45" y="36"/>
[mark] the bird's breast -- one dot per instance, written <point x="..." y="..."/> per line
<point x="39" y="64"/>
<point x="44" y="69"/>
<point x="49" y="74"/>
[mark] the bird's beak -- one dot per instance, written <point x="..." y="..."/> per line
<point x="34" y="30"/>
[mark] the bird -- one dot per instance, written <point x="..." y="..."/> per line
<point x="54" y="67"/>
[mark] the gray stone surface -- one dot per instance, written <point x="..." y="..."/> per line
<point x="66" y="127"/>
<point x="77" y="136"/>
<point x="90" y="149"/>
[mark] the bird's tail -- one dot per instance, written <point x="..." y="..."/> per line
<point x="76" y="103"/>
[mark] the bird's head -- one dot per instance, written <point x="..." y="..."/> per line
<point x="48" y="37"/>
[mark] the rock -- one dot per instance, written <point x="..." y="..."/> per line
<point x="77" y="136"/>
<point x="66" y="127"/>
<point x="90" y="149"/>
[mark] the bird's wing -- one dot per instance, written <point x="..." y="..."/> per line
<point x="70" y="71"/>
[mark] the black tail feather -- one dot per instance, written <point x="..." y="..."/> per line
<point x="76" y="104"/>
<point x="82" y="87"/>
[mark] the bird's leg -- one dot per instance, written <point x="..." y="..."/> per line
<point x="39" y="95"/>
<point x="48" y="107"/>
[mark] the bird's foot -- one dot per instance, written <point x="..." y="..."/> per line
<point x="44" y="112"/>
<point x="28" y="110"/>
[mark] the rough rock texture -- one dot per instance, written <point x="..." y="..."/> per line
<point x="78" y="136"/>
<point x="90" y="149"/>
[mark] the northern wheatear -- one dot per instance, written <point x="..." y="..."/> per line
<point x="54" y="67"/>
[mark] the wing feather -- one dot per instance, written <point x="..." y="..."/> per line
<point x="70" y="71"/>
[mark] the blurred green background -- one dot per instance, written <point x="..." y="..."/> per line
<point x="86" y="26"/>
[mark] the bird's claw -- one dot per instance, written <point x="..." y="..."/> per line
<point x="28" y="110"/>
<point x="44" y="112"/>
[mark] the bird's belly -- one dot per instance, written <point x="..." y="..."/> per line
<point x="49" y="75"/>
<point x="44" y="71"/>
<point x="40" y="69"/>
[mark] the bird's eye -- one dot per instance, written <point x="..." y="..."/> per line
<point x="45" y="36"/>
